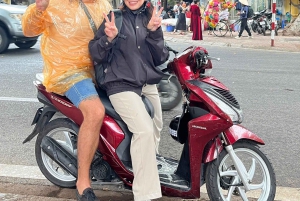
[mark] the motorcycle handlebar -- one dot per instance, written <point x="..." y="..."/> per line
<point x="171" y="49"/>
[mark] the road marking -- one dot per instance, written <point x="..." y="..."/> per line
<point x="33" y="172"/>
<point x="21" y="171"/>
<point x="19" y="99"/>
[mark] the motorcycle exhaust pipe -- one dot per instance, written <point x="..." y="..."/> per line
<point x="57" y="153"/>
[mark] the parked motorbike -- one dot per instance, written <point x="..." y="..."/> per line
<point x="217" y="150"/>
<point x="259" y="23"/>
<point x="169" y="89"/>
<point x="268" y="21"/>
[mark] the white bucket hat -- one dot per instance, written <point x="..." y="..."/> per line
<point x="245" y="2"/>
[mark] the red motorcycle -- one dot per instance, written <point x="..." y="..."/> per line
<point x="217" y="150"/>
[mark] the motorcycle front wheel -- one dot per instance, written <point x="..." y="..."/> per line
<point x="65" y="133"/>
<point x="170" y="93"/>
<point x="224" y="183"/>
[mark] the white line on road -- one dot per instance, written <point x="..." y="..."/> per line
<point x="19" y="99"/>
<point x="21" y="171"/>
<point x="33" y="172"/>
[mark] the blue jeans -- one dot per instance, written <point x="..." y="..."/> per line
<point x="80" y="91"/>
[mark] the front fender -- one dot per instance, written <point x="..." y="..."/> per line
<point x="238" y="132"/>
<point x="232" y="135"/>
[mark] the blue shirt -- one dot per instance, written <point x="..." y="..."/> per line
<point x="244" y="12"/>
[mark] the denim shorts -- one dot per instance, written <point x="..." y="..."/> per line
<point x="80" y="91"/>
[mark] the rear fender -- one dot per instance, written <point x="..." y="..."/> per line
<point x="42" y="117"/>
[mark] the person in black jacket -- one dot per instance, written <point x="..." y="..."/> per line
<point x="130" y="56"/>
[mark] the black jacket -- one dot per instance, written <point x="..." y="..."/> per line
<point x="134" y="53"/>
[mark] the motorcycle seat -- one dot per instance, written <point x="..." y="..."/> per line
<point x="109" y="109"/>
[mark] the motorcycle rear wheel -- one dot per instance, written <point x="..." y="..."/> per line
<point x="64" y="131"/>
<point x="170" y="93"/>
<point x="263" y="30"/>
<point x="256" y="164"/>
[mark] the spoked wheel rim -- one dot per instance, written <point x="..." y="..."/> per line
<point x="63" y="137"/>
<point x="221" y="29"/>
<point x="255" y="165"/>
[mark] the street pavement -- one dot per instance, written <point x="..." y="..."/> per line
<point x="34" y="186"/>
<point x="259" y="41"/>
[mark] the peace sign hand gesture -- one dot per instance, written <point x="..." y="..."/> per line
<point x="41" y="5"/>
<point x="155" y="20"/>
<point x="110" y="29"/>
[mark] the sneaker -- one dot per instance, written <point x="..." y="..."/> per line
<point x="250" y="37"/>
<point x="87" y="195"/>
<point x="237" y="37"/>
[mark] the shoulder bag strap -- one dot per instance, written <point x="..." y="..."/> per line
<point x="117" y="12"/>
<point x="92" y="23"/>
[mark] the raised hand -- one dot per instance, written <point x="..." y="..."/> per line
<point x="110" y="29"/>
<point x="155" y="20"/>
<point x="42" y="5"/>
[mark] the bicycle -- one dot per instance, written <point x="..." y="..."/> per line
<point x="223" y="27"/>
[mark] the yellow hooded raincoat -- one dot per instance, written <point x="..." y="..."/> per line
<point x="66" y="33"/>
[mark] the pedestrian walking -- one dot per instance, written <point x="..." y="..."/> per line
<point x="243" y="16"/>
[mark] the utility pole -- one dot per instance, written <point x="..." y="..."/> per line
<point x="273" y="22"/>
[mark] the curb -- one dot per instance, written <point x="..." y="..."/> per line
<point x="282" y="43"/>
<point x="19" y="182"/>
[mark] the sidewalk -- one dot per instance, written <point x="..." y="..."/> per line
<point x="281" y="43"/>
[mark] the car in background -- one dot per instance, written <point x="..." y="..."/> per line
<point x="11" y="28"/>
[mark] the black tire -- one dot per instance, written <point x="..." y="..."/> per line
<point x="259" y="30"/>
<point x="26" y="44"/>
<point x="276" y="31"/>
<point x="253" y="27"/>
<point x="56" y="174"/>
<point x="170" y="93"/>
<point x="221" y="29"/>
<point x="217" y="188"/>
<point x="4" y="42"/>
<point x="263" y="30"/>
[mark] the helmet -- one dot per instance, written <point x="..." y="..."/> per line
<point x="178" y="128"/>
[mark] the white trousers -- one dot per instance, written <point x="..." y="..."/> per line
<point x="145" y="139"/>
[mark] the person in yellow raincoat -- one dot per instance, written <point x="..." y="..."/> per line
<point x="68" y="68"/>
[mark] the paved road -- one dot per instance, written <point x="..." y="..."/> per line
<point x="265" y="85"/>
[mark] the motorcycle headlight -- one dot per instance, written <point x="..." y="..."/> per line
<point x="17" y="17"/>
<point x="234" y="113"/>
